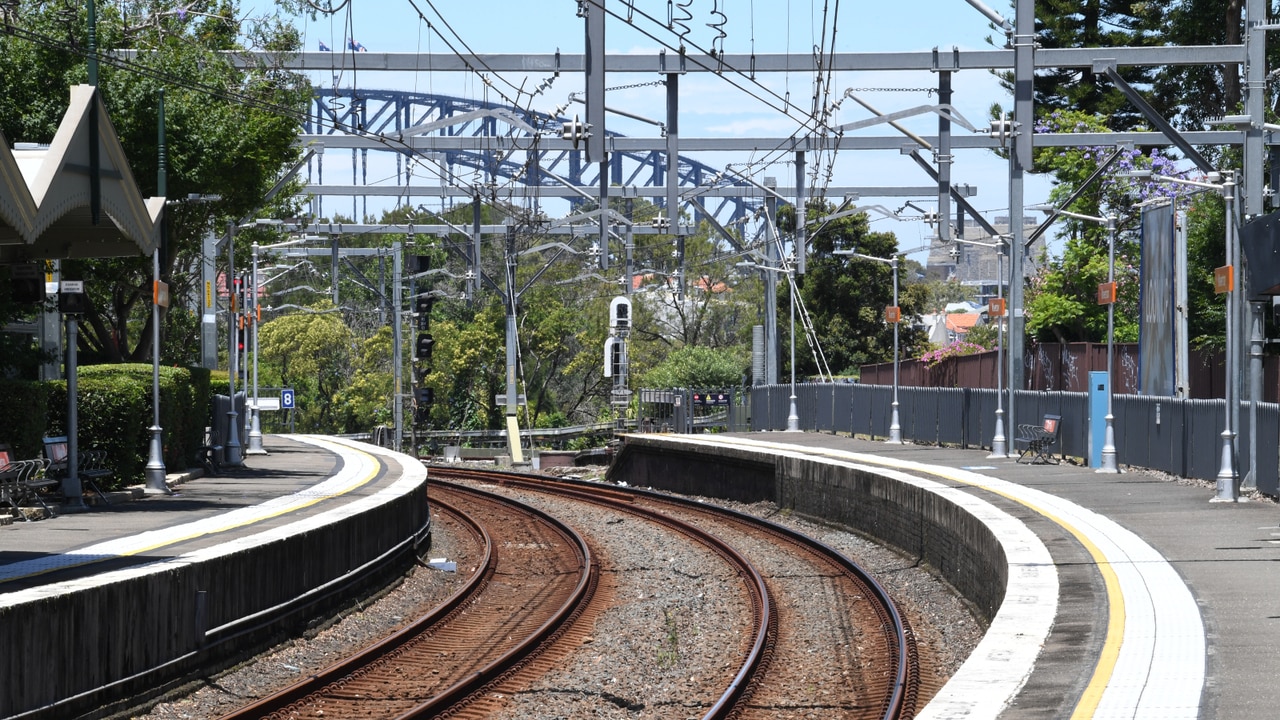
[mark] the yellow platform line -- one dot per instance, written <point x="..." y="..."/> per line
<point x="1110" y="653"/>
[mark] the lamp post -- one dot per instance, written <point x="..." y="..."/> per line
<point x="155" y="472"/>
<point x="793" y="417"/>
<point x="255" y="317"/>
<point x="255" y="413"/>
<point x="893" y="315"/>
<point x="999" y="442"/>
<point x="1228" y="477"/>
<point x="1107" y="294"/>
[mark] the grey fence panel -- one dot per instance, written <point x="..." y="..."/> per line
<point x="812" y="399"/>
<point x="1168" y="442"/>
<point x="979" y="421"/>
<point x="881" y="410"/>
<point x="861" y="406"/>
<point x="1202" y="438"/>
<point x="1134" y="445"/>
<point x="1243" y="433"/>
<point x="1149" y="432"/>
<point x="759" y="408"/>
<point x="908" y="398"/>
<point x="1268" y="461"/>
<point x="953" y="410"/>
<point x="1181" y="437"/>
<point x="779" y="406"/>
<point x="842" y="410"/>
<point x="927" y="415"/>
<point x="824" y="406"/>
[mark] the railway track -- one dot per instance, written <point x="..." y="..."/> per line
<point x="821" y="604"/>
<point x="487" y="627"/>
<point x="533" y="599"/>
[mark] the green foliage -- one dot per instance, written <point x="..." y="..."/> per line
<point x="1101" y="24"/>
<point x="312" y="353"/>
<point x="365" y="400"/>
<point x="698" y="367"/>
<point x="229" y="132"/>
<point x="846" y="296"/>
<point x="112" y="415"/>
<point x="184" y="406"/>
<point x="1061" y="299"/>
<point x="20" y="427"/>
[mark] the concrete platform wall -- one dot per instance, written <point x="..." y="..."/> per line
<point x="921" y="524"/>
<point x="68" y="649"/>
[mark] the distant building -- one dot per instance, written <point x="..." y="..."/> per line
<point x="977" y="266"/>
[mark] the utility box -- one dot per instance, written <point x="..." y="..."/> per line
<point x="1099" y="391"/>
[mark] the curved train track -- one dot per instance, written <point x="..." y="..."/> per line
<point x="878" y="679"/>
<point x="534" y="596"/>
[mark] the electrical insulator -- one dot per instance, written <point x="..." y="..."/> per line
<point x="576" y="131"/>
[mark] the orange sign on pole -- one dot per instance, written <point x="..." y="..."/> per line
<point x="1106" y="293"/>
<point x="160" y="293"/>
<point x="995" y="307"/>
<point x="1224" y="279"/>
<point x="892" y="314"/>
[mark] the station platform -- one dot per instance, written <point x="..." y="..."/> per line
<point x="1166" y="603"/>
<point x="1129" y="595"/>
<point x="267" y="491"/>
<point x="110" y="603"/>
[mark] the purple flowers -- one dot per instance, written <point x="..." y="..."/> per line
<point x="954" y="349"/>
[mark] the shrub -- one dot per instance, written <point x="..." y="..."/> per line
<point x="21" y="427"/>
<point x="950" y="350"/>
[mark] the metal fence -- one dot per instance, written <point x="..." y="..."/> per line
<point x="684" y="410"/>
<point x="1177" y="436"/>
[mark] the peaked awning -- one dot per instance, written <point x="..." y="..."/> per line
<point x="45" y="193"/>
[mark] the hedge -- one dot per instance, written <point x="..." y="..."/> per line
<point x="115" y="414"/>
<point x="21" y="428"/>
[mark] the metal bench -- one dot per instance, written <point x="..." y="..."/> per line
<point x="34" y="482"/>
<point x="92" y="469"/>
<point x="211" y="451"/>
<point x="11" y="491"/>
<point x="1037" y="441"/>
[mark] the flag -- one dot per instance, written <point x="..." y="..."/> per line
<point x="352" y="44"/>
<point x="323" y="47"/>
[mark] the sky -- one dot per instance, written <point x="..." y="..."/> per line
<point x="710" y="106"/>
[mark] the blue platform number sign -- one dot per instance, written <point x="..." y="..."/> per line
<point x="286" y="399"/>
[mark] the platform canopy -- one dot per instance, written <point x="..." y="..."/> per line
<point x="46" y="195"/>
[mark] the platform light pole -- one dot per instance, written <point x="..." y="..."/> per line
<point x="1224" y="281"/>
<point x="793" y="417"/>
<point x="1107" y="295"/>
<point x="155" y="472"/>
<point x="893" y="314"/>
<point x="255" y="317"/>
<point x="999" y="441"/>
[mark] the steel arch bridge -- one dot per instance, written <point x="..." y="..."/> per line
<point x="398" y="114"/>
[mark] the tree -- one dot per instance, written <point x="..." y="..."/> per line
<point x="1095" y="24"/>
<point x="698" y="367"/>
<point x="229" y="132"/>
<point x="1061" y="299"/>
<point x="312" y="351"/>
<point x="365" y="400"/>
<point x="846" y="296"/>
